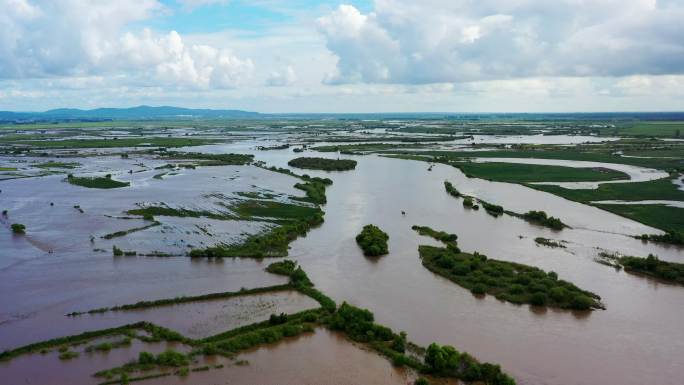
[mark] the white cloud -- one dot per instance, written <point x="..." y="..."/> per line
<point x="405" y="41"/>
<point x="85" y="37"/>
<point x="280" y="79"/>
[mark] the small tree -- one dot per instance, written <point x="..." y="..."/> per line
<point x="18" y="228"/>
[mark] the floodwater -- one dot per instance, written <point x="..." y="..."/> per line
<point x="48" y="369"/>
<point x="207" y="318"/>
<point x="637" y="340"/>
<point x="322" y="357"/>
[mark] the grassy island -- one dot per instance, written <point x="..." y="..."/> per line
<point x="105" y="182"/>
<point x="325" y="164"/>
<point x="373" y="241"/>
<point x="507" y="281"/>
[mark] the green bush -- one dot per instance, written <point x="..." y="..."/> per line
<point x="538" y="299"/>
<point x="323" y="163"/>
<point x="373" y="241"/>
<point x="18" y="228"/>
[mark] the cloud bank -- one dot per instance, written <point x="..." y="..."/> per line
<point x="86" y="38"/>
<point x="432" y="41"/>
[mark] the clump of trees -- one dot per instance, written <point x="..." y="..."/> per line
<point x="548" y="242"/>
<point x="507" y="281"/>
<point x="451" y="189"/>
<point x="443" y="360"/>
<point x="492" y="209"/>
<point x="671" y="237"/>
<point x="325" y="164"/>
<point x="653" y="266"/>
<point x="468" y="202"/>
<point x="540" y="217"/>
<point x="373" y="241"/>
<point x="18" y="228"/>
<point x="448" y="239"/>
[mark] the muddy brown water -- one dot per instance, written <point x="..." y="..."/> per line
<point x="316" y="358"/>
<point x="637" y="340"/>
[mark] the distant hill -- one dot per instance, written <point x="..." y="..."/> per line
<point x="133" y="113"/>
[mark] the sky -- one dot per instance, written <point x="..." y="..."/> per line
<point x="350" y="56"/>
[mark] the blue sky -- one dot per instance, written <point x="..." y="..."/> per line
<point x="344" y="56"/>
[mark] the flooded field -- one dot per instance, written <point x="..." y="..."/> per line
<point x="64" y="263"/>
<point x="322" y="357"/>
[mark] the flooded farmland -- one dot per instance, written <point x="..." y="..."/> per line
<point x="64" y="263"/>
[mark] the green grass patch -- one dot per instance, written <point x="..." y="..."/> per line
<point x="654" y="129"/>
<point x="526" y="173"/>
<point x="666" y="218"/>
<point x="67" y="165"/>
<point x="96" y="182"/>
<point x="659" y="189"/>
<point x="274" y="209"/>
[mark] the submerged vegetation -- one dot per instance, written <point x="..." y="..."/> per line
<point x="372" y="241"/>
<point x="448" y="239"/>
<point x="671" y="237"/>
<point x="549" y="242"/>
<point x="271" y="243"/>
<point x="323" y="164"/>
<point x="356" y="323"/>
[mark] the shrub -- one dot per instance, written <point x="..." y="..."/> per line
<point x="323" y="163"/>
<point x="18" y="228"/>
<point x="478" y="289"/>
<point x="373" y="241"/>
<point x="581" y="302"/>
<point x="538" y="299"/>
